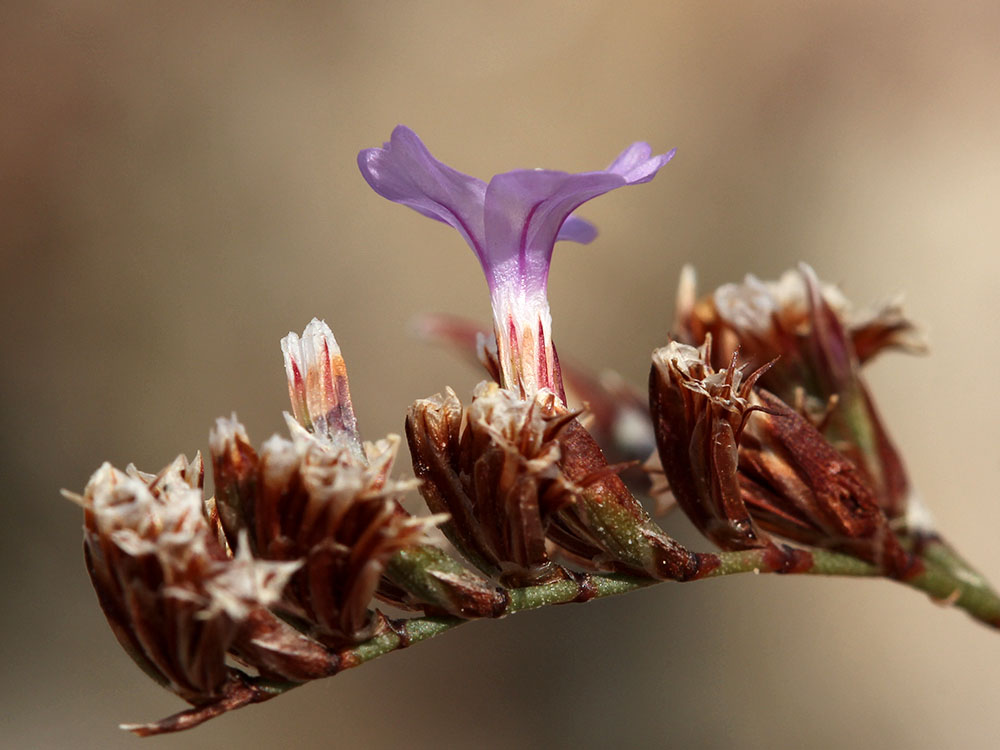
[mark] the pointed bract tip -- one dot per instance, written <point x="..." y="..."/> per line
<point x="226" y="430"/>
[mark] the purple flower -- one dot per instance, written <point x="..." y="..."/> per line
<point x="511" y="224"/>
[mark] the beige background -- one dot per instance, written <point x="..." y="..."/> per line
<point x="179" y="190"/>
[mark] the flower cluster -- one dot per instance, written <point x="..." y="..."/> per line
<point x="231" y="599"/>
<point x="325" y="498"/>
<point x="178" y="600"/>
<point x="818" y="347"/>
<point x="743" y="465"/>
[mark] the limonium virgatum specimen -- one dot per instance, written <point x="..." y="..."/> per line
<point x="759" y="422"/>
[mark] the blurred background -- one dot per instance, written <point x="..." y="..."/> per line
<point x="179" y="190"/>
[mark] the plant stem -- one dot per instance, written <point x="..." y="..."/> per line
<point x="977" y="599"/>
<point x="940" y="582"/>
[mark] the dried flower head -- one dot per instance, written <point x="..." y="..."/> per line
<point x="698" y="414"/>
<point x="327" y="498"/>
<point x="743" y="465"/>
<point x="175" y="598"/>
<point x="819" y="346"/>
<point x="311" y="502"/>
<point x="511" y="224"/>
<point x="492" y="468"/>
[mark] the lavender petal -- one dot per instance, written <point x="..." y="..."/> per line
<point x="636" y="165"/>
<point x="404" y="171"/>
<point x="575" y="229"/>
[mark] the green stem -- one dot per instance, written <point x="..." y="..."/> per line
<point x="965" y="592"/>
<point x="824" y="563"/>
<point x="978" y="601"/>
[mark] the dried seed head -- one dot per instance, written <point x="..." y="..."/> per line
<point x="819" y="345"/>
<point x="743" y="465"/>
<point x="326" y="498"/>
<point x="314" y="500"/>
<point x="174" y="598"/>
<point x="698" y="414"/>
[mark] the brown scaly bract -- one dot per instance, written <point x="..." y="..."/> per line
<point x="492" y="467"/>
<point x="513" y="471"/>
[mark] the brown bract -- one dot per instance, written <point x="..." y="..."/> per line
<point x="745" y="466"/>
<point x="698" y="414"/>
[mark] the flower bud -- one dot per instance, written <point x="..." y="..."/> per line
<point x="318" y="387"/>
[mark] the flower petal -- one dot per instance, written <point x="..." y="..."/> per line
<point x="576" y="229"/>
<point x="636" y="165"/>
<point x="405" y="172"/>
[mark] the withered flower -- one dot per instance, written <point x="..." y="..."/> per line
<point x="819" y="346"/>
<point x="175" y="598"/>
<point x="326" y="498"/>
<point x="743" y="465"/>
